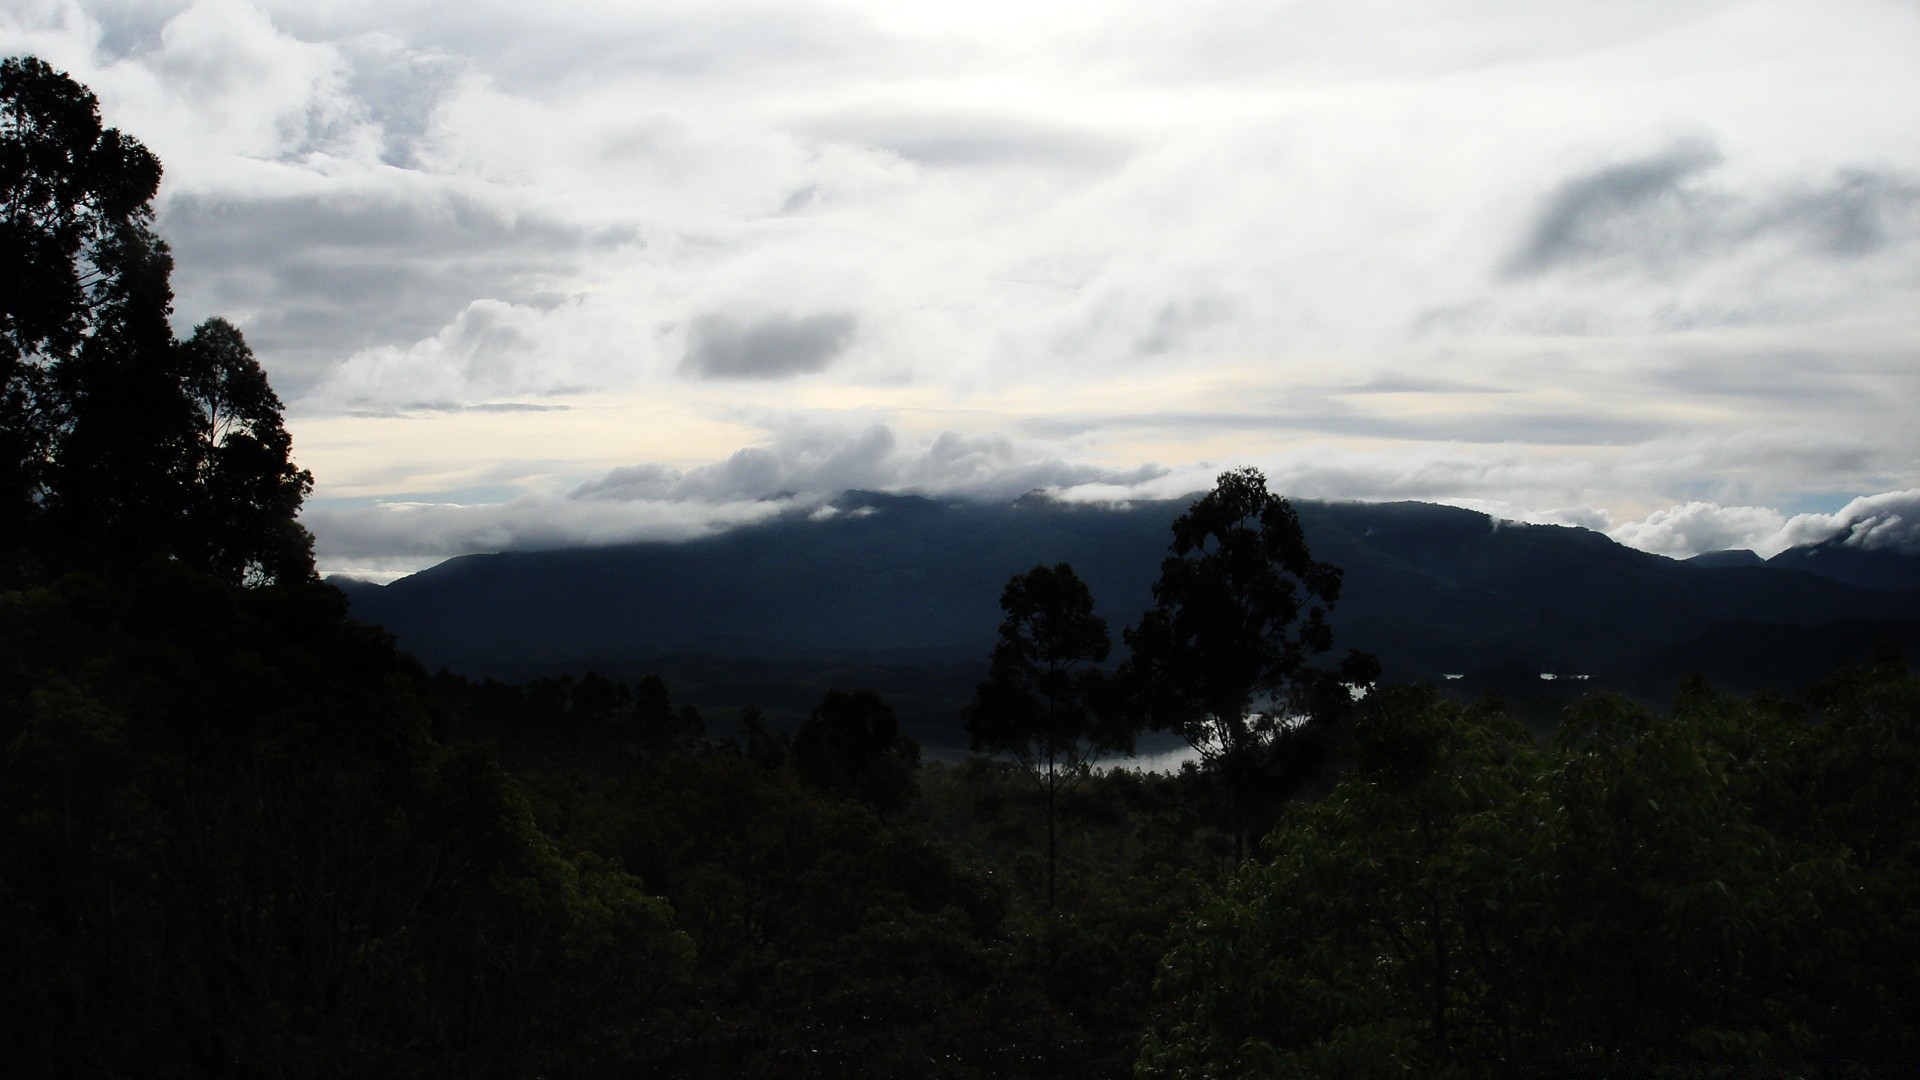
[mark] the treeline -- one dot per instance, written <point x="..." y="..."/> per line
<point x="233" y="845"/>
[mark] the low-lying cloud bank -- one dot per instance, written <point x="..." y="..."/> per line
<point x="1886" y="522"/>
<point x="803" y="468"/>
<point x="819" y="463"/>
<point x="806" y="467"/>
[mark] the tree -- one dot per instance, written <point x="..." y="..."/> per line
<point x="1224" y="658"/>
<point x="1470" y="901"/>
<point x="657" y="727"/>
<point x="245" y="489"/>
<point x="851" y="745"/>
<point x="119" y="443"/>
<point x="1036" y="703"/>
<point x="75" y="210"/>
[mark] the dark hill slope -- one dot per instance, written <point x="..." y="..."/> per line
<point x="903" y="580"/>
<point x="1873" y="568"/>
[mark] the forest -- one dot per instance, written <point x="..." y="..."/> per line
<point x="242" y="834"/>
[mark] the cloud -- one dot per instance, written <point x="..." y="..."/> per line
<point x="810" y="462"/>
<point x="1384" y="249"/>
<point x="1624" y="210"/>
<point x="1885" y="522"/>
<point x="315" y="277"/>
<point x="801" y="469"/>
<point x="770" y="347"/>
<point x="417" y="534"/>
<point x="960" y="139"/>
<point x="1889" y="521"/>
<point x="1698" y="527"/>
<point x="1654" y="215"/>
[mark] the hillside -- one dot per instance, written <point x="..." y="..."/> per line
<point x="902" y="592"/>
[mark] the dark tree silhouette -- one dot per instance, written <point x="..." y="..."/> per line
<point x="245" y="486"/>
<point x="75" y="210"/>
<point x="1037" y="703"/>
<point x="117" y="442"/>
<point x="851" y="745"/>
<point x="1224" y="658"/>
<point x="656" y="726"/>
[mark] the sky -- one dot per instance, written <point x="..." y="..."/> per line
<point x="578" y="272"/>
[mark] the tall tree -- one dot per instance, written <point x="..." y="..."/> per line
<point x="1226" y="656"/>
<point x="117" y="442"/>
<point x="245" y="489"/>
<point x="75" y="211"/>
<point x="1036" y="703"/>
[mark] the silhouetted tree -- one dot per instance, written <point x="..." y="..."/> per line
<point x="1037" y="701"/>
<point x="245" y="490"/>
<point x="657" y="726"/>
<point x="74" y="198"/>
<point x="851" y="745"/>
<point x="117" y="442"/>
<point x="1224" y="658"/>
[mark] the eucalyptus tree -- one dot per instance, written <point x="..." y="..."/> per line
<point x="1038" y="702"/>
<point x="1227" y="656"/>
<point x="119" y="442"/>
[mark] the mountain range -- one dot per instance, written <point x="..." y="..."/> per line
<point x="902" y="592"/>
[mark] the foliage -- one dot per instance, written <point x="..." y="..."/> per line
<point x="1224" y="657"/>
<point x="230" y="846"/>
<point x="851" y="745"/>
<point x="1038" y="701"/>
<point x="1645" y="890"/>
<point x="117" y="442"/>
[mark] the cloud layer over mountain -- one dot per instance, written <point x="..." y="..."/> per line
<point x="1649" y="266"/>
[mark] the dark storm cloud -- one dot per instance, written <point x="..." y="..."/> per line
<point x="1657" y="214"/>
<point x="317" y="278"/>
<point x="773" y="347"/>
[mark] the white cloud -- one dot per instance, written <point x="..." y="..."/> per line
<point x="1888" y="521"/>
<point x="1571" y="263"/>
<point x="1698" y="527"/>
<point x="811" y="462"/>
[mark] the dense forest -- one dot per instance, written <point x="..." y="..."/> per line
<point x="244" y="835"/>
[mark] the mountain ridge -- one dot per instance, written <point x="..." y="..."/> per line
<point x="1432" y="589"/>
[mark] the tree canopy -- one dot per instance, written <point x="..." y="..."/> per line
<point x="1225" y="657"/>
<point x="1644" y="890"/>
<point x="1039" y="700"/>
<point x="118" y="442"/>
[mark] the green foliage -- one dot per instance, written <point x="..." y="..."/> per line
<point x="1645" y="890"/>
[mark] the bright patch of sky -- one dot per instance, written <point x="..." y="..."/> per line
<point x="580" y="271"/>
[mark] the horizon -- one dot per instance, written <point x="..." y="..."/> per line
<point x="618" y="272"/>
<point x="1875" y="523"/>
